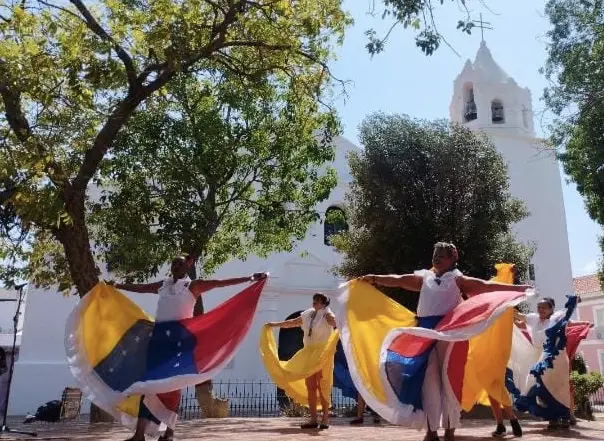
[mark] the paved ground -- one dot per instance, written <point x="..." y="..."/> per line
<point x="286" y="429"/>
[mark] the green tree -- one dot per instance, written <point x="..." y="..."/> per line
<point x="72" y="74"/>
<point x="419" y="15"/>
<point x="576" y="96"/>
<point x="585" y="386"/>
<point x="420" y="182"/>
<point x="220" y="172"/>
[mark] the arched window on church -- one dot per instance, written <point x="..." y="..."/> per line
<point x="335" y="222"/>
<point x="470" y="112"/>
<point x="525" y="117"/>
<point x="497" y="113"/>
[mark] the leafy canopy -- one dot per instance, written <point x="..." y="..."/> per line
<point x="420" y="16"/>
<point x="576" y="95"/>
<point x="217" y="170"/>
<point x="417" y="183"/>
<point x="73" y="73"/>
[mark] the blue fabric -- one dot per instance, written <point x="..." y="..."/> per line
<point x="127" y="362"/>
<point x="341" y="375"/>
<point x="406" y="374"/>
<point x="171" y="351"/>
<point x="149" y="351"/>
<point x="555" y="342"/>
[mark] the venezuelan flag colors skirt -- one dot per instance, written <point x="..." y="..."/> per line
<point x="538" y="377"/>
<point x="387" y="352"/>
<point x="290" y="375"/>
<point x="118" y="354"/>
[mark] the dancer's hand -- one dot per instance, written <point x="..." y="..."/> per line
<point x="258" y="276"/>
<point x="369" y="278"/>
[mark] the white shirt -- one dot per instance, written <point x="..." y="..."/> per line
<point x="438" y="295"/>
<point x="176" y="301"/>
<point x="537" y="327"/>
<point x="321" y="329"/>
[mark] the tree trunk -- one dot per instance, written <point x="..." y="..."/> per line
<point x="82" y="268"/>
<point x="76" y="244"/>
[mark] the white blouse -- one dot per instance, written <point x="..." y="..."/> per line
<point x="317" y="321"/>
<point x="438" y="295"/>
<point x="537" y="327"/>
<point x="176" y="301"/>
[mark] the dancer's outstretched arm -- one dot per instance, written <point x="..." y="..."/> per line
<point x="472" y="286"/>
<point x="142" y="288"/>
<point x="293" y="323"/>
<point x="199" y="286"/>
<point x="410" y="282"/>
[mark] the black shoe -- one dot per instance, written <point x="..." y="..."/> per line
<point x="309" y="426"/>
<point x="500" y="431"/>
<point x="553" y="425"/>
<point x="563" y="424"/>
<point x="323" y="426"/>
<point x="516" y="429"/>
<point x="357" y="422"/>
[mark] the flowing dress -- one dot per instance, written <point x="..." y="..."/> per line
<point x="132" y="366"/>
<point x="538" y="371"/>
<point x="415" y="370"/>
<point x="317" y="356"/>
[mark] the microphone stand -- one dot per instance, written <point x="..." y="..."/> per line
<point x="4" y="428"/>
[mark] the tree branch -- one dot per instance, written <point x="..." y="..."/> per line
<point x="95" y="27"/>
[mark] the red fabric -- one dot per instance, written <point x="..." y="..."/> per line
<point x="408" y="345"/>
<point x="456" y="368"/>
<point x="476" y="309"/>
<point x="470" y="312"/>
<point x="575" y="333"/>
<point x="221" y="330"/>
<point x="171" y="400"/>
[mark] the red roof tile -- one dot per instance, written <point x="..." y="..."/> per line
<point x="586" y="284"/>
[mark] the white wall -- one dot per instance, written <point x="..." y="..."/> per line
<point x="535" y="178"/>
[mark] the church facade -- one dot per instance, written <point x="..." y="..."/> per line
<point x="484" y="99"/>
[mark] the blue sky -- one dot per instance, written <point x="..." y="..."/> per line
<point x="403" y="80"/>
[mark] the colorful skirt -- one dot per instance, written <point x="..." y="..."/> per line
<point x="131" y="367"/>
<point x="404" y="368"/>
<point x="290" y="375"/>
<point x="538" y="377"/>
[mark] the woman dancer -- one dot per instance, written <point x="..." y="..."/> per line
<point x="548" y="331"/>
<point x="134" y="367"/>
<point x="313" y="363"/>
<point x="440" y="292"/>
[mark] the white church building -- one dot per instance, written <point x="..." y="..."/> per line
<point x="485" y="99"/>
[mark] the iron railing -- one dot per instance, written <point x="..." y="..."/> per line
<point x="255" y="399"/>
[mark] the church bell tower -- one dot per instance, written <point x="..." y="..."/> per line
<point x="486" y="99"/>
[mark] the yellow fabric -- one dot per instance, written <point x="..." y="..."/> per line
<point x="291" y="375"/>
<point x="109" y="314"/>
<point x="370" y="316"/>
<point x="130" y="406"/>
<point x="488" y="356"/>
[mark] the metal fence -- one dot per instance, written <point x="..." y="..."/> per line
<point x="255" y="399"/>
<point x="597" y="401"/>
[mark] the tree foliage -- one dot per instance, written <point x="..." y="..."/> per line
<point x="217" y="170"/>
<point x="73" y="73"/>
<point x="419" y="15"/>
<point x="576" y="95"/>
<point x="420" y="182"/>
<point x="585" y="386"/>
